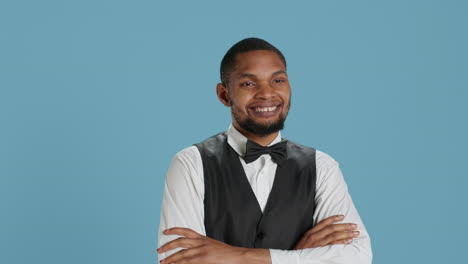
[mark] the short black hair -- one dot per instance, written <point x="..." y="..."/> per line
<point x="245" y="45"/>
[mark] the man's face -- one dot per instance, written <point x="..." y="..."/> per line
<point x="259" y="93"/>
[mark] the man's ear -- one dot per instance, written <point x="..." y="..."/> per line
<point x="223" y="94"/>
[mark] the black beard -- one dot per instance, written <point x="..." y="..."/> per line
<point x="260" y="129"/>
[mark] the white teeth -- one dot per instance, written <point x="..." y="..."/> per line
<point x="265" y="109"/>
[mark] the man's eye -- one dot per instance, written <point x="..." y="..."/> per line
<point x="278" y="80"/>
<point x="247" y="84"/>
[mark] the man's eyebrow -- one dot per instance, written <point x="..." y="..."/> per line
<point x="250" y="75"/>
<point x="247" y="75"/>
<point x="279" y="72"/>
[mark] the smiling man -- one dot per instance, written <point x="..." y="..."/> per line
<point x="249" y="196"/>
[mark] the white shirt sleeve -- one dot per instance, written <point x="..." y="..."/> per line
<point x="182" y="204"/>
<point x="332" y="198"/>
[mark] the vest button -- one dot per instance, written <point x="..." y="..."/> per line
<point x="260" y="235"/>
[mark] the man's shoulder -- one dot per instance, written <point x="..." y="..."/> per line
<point x="212" y="146"/>
<point x="193" y="152"/>
<point x="189" y="154"/>
<point x="323" y="160"/>
<point x="216" y="138"/>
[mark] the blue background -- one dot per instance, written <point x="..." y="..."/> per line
<point x="97" y="96"/>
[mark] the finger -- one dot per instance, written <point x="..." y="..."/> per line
<point x="343" y="242"/>
<point x="183" y="256"/>
<point x="181" y="231"/>
<point x="332" y="239"/>
<point x="181" y="242"/>
<point x="338" y="236"/>
<point x="326" y="222"/>
<point x="333" y="228"/>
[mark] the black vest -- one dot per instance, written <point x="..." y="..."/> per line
<point x="232" y="212"/>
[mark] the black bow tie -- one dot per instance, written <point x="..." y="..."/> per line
<point x="277" y="151"/>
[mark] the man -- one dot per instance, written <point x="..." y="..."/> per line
<point x="249" y="196"/>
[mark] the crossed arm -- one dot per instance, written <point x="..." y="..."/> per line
<point x="330" y="240"/>
<point x="202" y="249"/>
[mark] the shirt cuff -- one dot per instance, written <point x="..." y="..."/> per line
<point x="283" y="256"/>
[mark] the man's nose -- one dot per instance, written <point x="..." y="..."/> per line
<point x="265" y="91"/>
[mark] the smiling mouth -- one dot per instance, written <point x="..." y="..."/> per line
<point x="265" y="110"/>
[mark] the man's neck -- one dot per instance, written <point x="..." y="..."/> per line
<point x="261" y="140"/>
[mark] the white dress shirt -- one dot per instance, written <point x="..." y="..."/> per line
<point x="185" y="190"/>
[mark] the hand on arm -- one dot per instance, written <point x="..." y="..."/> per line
<point x="327" y="232"/>
<point x="202" y="249"/>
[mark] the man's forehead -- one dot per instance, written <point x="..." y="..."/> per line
<point x="259" y="61"/>
<point x="248" y="74"/>
<point x="256" y="55"/>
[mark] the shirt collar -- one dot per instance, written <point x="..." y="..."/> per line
<point x="238" y="141"/>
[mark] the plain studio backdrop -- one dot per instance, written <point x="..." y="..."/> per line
<point x="96" y="97"/>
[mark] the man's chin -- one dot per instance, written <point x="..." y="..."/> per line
<point x="271" y="121"/>
<point x="262" y="129"/>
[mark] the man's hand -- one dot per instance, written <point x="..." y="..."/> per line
<point x="328" y="233"/>
<point x="202" y="249"/>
